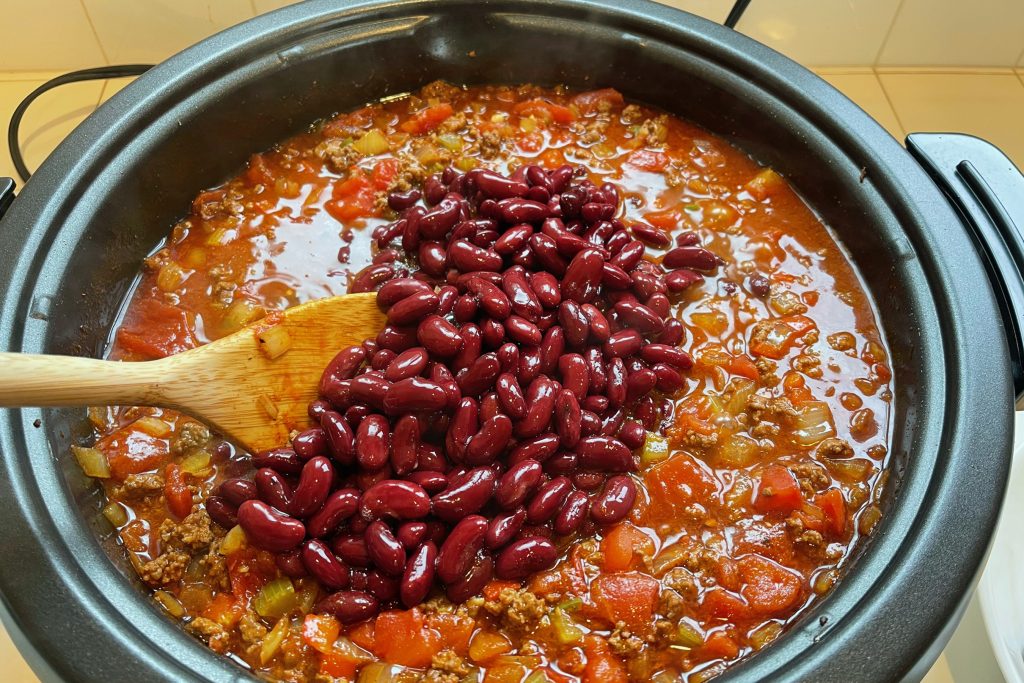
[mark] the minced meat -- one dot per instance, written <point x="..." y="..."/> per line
<point x="834" y="448"/>
<point x="517" y="609"/>
<point x="339" y="154"/>
<point x="192" y="435"/>
<point x="138" y="486"/>
<point x="192" y="533"/>
<point x="165" y="569"/>
<point x="811" y="476"/>
<point x="448" y="661"/>
<point x="653" y="132"/>
<point x="251" y="629"/>
<point x="213" y="633"/>
<point x="624" y="643"/>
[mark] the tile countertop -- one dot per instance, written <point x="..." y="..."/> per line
<point x="988" y="103"/>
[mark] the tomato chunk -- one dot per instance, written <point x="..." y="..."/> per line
<point x="428" y="119"/>
<point x="769" y="588"/>
<point x="833" y="505"/>
<point x="778" y="491"/>
<point x="176" y="491"/>
<point x="131" y="451"/>
<point x="630" y="597"/>
<point x="403" y="638"/>
<point x="320" y="631"/>
<point x="621" y="544"/>
<point x="598" y="100"/>
<point x="154" y="329"/>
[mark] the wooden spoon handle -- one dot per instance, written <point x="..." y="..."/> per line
<point x="41" y="380"/>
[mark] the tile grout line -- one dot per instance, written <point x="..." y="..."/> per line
<point x="103" y="50"/>
<point x="888" y="34"/>
<point x="252" y="6"/>
<point x="892" y="107"/>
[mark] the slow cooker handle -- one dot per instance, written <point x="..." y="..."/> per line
<point x="6" y="194"/>
<point x="987" y="189"/>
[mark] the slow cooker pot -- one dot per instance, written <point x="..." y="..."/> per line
<point x="931" y="231"/>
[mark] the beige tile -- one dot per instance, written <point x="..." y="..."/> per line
<point x="821" y="33"/>
<point x="990" y="106"/>
<point x="13" y="668"/>
<point x="863" y="87"/>
<point x="48" y="120"/>
<point x="939" y="673"/>
<point x="47" y="34"/>
<point x="953" y="32"/>
<point x="264" y="6"/>
<point x="153" y="30"/>
<point x="113" y="86"/>
<point x="715" y="10"/>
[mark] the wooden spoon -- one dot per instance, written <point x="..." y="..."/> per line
<point x="252" y="386"/>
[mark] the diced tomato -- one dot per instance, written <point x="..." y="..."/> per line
<point x="744" y="367"/>
<point x="596" y="100"/>
<point x="154" y="329"/>
<point x="339" y="665"/>
<point x="773" y="338"/>
<point x="795" y="388"/>
<point x="718" y="603"/>
<point x="727" y="572"/>
<point x="352" y="198"/>
<point x="602" y="665"/>
<point x="363" y="635"/>
<point x="630" y="597"/>
<point x="428" y="119"/>
<point x="176" y="491"/>
<point x="621" y="545"/>
<point x="248" y="571"/>
<point x="677" y="482"/>
<point x="224" y="609"/>
<point x="812" y="517"/>
<point x="403" y="638"/>
<point x="320" y="631"/>
<point x="720" y="645"/>
<point x="530" y="142"/>
<point x="833" y="505"/>
<point x="669" y="221"/>
<point x="777" y="491"/>
<point x="384" y="172"/>
<point x="258" y="172"/>
<point x="646" y="160"/>
<point x="545" y="110"/>
<point x="455" y="630"/>
<point x="769" y="588"/>
<point x="131" y="451"/>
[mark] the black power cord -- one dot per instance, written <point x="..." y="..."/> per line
<point x="738" y="8"/>
<point x="97" y="73"/>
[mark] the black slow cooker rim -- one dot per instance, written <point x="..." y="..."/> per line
<point x="896" y="583"/>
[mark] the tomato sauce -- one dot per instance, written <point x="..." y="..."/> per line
<point x="766" y="472"/>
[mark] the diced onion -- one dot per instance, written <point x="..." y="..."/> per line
<point x="274" y="341"/>
<point x="737" y="451"/>
<point x="565" y="630"/>
<point x="379" y="672"/>
<point x="272" y="643"/>
<point x="170" y="603"/>
<point x="234" y="541"/>
<point x="197" y="462"/>
<point x="813" y="423"/>
<point x="115" y="514"/>
<point x="765" y="634"/>
<point x="152" y="426"/>
<point x="371" y="144"/>
<point x="92" y="462"/>
<point x="240" y="313"/>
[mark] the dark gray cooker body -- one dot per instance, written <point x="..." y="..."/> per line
<point x="72" y="242"/>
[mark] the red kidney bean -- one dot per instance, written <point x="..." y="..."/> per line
<point x="574" y="322"/>
<point x="405" y="443"/>
<point x="511" y="395"/>
<point x="349" y="607"/>
<point x="615" y="501"/>
<point x="540" y="399"/>
<point x="639" y="317"/>
<point x="651" y="235"/>
<point x="439" y="336"/>
<point x="590" y="423"/>
<point x="508" y="356"/>
<point x="324" y="566"/>
<point x="434" y="224"/>
<point x="283" y="460"/>
<point x="639" y="383"/>
<point x="492" y="333"/>
<point x="537" y="448"/>
<point x="414" y="394"/>
<point x="522" y="331"/>
<point x="492" y="299"/>
<point x="529" y="365"/>
<point x="222" y="512"/>
<point x="547" y="289"/>
<point x="370" y="277"/>
<point x="571" y="202"/>
<point x="513" y="239"/>
<point x="660" y="304"/>
<point x="503" y="528"/>
<point x="411" y="534"/>
<point x="431" y="481"/>
<point x="397" y="339"/>
<point x="485" y="446"/>
<point x="475" y="580"/>
<point x="480" y="376"/>
<point x="575" y="376"/>
<point x="526" y="556"/>
<point x="616" y="389"/>
<point x="682" y="279"/>
<point x="413" y="308"/>
<point x="588" y="481"/>
<point x="646" y="285"/>
<point x="345" y="364"/>
<point x="669" y="380"/>
<point x="563" y="462"/>
<point x="623" y="344"/>
<point x="409" y="363"/>
<point x="518" y="483"/>
<point x="697" y="258"/>
<point x="273" y="489"/>
<point x="268" y="528"/>
<point x="498" y="186"/>
<point x="617" y="241"/>
<point x="353" y="416"/>
<point x="290" y="564"/>
<point x="465" y="308"/>
<point x="313" y="487"/>
<point x="567" y="418"/>
<point x="456" y="555"/>
<point x="471" y="340"/>
<point x="384" y="550"/>
<point x="400" y="288"/>
<point x="672" y="334"/>
<point x="358" y="580"/>
<point x="670" y="355"/>
<point x="237" y="491"/>
<point x="613" y="419"/>
<point x="573" y="512"/>
<point x="352" y="550"/>
<point x="395" y="499"/>
<point x="551" y="349"/>
<point x="596" y="367"/>
<point x="600" y="329"/>
<point x="339" y="506"/>
<point x="606" y="454"/>
<point x="614" y="277"/>
<point x="317" y="408"/>
<point x="381" y="358"/>
<point x="595" y="403"/>
<point x="411" y="234"/>
<point x="629" y="255"/>
<point x="373" y="442"/>
<point x="632" y="434"/>
<point x="384" y="588"/>
<point x="546" y="252"/>
<point x="465" y="495"/>
<point x="520" y="294"/>
<point x="583" y="276"/>
<point x="468" y="257"/>
<point x="400" y="201"/>
<point x="464" y="424"/>
<point x="370" y="389"/>
<point x="517" y="210"/>
<point x="545" y="502"/>
<point x="419" y="575"/>
<point x="759" y="285"/>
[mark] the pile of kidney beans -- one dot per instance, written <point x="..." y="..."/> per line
<point x="501" y="406"/>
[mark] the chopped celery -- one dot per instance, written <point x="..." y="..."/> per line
<point x="275" y="599"/>
<point x="272" y="643"/>
<point x="655" y="449"/>
<point x="115" y="514"/>
<point x="197" y="462"/>
<point x="92" y="462"/>
<point x="450" y="142"/>
<point x="537" y="677"/>
<point x="234" y="541"/>
<point x="565" y="630"/>
<point x="737" y="451"/>
<point x="379" y="672"/>
<point x="570" y="605"/>
<point x="465" y="163"/>
<point x="765" y="634"/>
<point x="688" y="636"/>
<point x="371" y="144"/>
<point x="306" y="595"/>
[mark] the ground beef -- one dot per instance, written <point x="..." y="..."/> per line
<point x="631" y="114"/>
<point x="697" y="441"/>
<point x="436" y="676"/>
<point x="834" y="448"/>
<point x="767" y="413"/>
<point x="671" y="604"/>
<point x="681" y="581"/>
<point x="338" y="154"/>
<point x="653" y="132"/>
<point x="165" y="569"/>
<point x="489" y="144"/>
<point x="453" y="123"/>
<point x="766" y="371"/>
<point x="441" y="90"/>
<point x="811" y="476"/>
<point x="592" y="131"/>
<point x="158" y="260"/>
<point x="449" y="662"/>
<point x="192" y="435"/>
<point x="213" y="633"/>
<point x="192" y="533"/>
<point x="665" y="632"/>
<point x="624" y="643"/>
<point x="251" y="629"/>
<point x="808" y="364"/>
<point x="517" y="609"/>
<point x="216" y="566"/>
<point x="138" y="486"/>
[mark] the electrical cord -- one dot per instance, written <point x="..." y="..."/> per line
<point x="97" y="73"/>
<point x="738" y="8"/>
